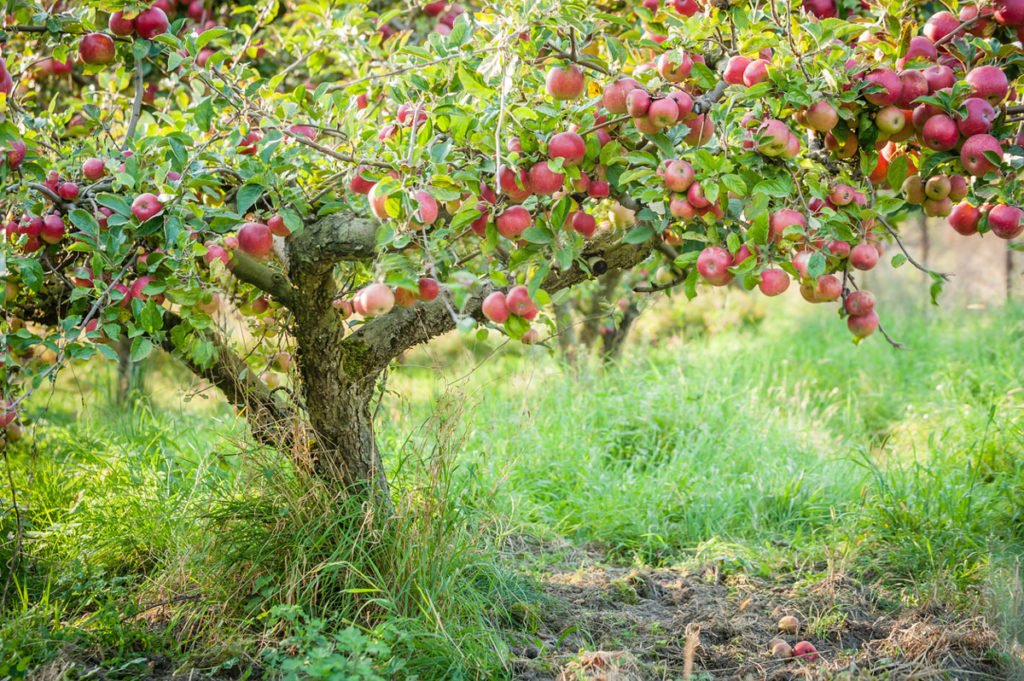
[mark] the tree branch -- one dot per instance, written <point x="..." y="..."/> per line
<point x="384" y="338"/>
<point x="336" y="237"/>
<point x="252" y="271"/>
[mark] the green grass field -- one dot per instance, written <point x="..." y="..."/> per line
<point x="155" y="540"/>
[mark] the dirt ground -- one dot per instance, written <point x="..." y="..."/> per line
<point x="621" y="624"/>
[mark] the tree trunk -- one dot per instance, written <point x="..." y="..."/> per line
<point x="566" y="332"/>
<point x="614" y="342"/>
<point x="129" y="374"/>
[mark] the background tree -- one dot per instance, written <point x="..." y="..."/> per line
<point x="359" y="178"/>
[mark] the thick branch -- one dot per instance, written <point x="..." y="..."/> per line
<point x="252" y="271"/>
<point x="271" y="421"/>
<point x="384" y="338"/>
<point x="336" y="237"/>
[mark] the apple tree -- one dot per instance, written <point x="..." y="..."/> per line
<point x="353" y="179"/>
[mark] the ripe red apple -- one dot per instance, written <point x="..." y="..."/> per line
<point x="377" y="299"/>
<point x="93" y="169"/>
<point x="859" y="303"/>
<point x="919" y="47"/>
<point x="637" y="103"/>
<point x="989" y="83"/>
<point x="96" y="48"/>
<point x="519" y="302"/>
<point x="256" y="239"/>
<point x="495" y="307"/>
<point x="842" y="195"/>
<point x="1009" y="12"/>
<point x="964" y="218"/>
<point x="8" y="412"/>
<point x="67" y="191"/>
<point x="53" y="229"/>
<point x="663" y="112"/>
<point x="978" y="119"/>
<point x="674" y="69"/>
<point x="774" y="281"/>
<point x="781" y="649"/>
<point x="828" y="288"/>
<point x="684" y="103"/>
<point x="404" y="297"/>
<point x="119" y="25"/>
<point x="972" y="154"/>
<point x="861" y="326"/>
<point x="584" y="224"/>
<point x="940" y="133"/>
<point x="821" y="116"/>
<point x="773" y="137"/>
<point x="277" y="226"/>
<point x="679" y="175"/>
<point x="378" y="201"/>
<point x="713" y="264"/>
<point x="599" y="189"/>
<point x="565" y="83"/>
<point x="614" y="96"/>
<point x="145" y="206"/>
<point x="783" y="218"/>
<point x="702" y="128"/>
<point x="734" y="69"/>
<point x="822" y="9"/>
<point x="428" y="288"/>
<point x="884" y="87"/>
<point x="14" y="154"/>
<point x="427" y="210"/>
<point x="695" y="196"/>
<point x="151" y="23"/>
<point x="215" y="252"/>
<point x="679" y="207"/>
<point x="516" y="186"/>
<point x="913" y="84"/>
<point x="756" y="72"/>
<point x="1005" y="221"/>
<point x="568" y="146"/>
<point x="864" y="256"/>
<point x="545" y="181"/>
<point x="939" y="25"/>
<point x="514" y="221"/>
<point x="958" y="188"/>
<point x="939" y="77"/>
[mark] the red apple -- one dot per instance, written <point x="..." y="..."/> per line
<point x="988" y="82"/>
<point x="96" y="48"/>
<point x="427" y="210"/>
<point x="151" y="23"/>
<point x="516" y="186"/>
<point x="1004" y="221"/>
<point x="783" y="218"/>
<point x="256" y="239"/>
<point x="864" y="256"/>
<point x="821" y="116"/>
<point x="884" y="85"/>
<point x="495" y="307"/>
<point x="565" y="83"/>
<point x="93" y="169"/>
<point x="53" y="229"/>
<point x="614" y="97"/>
<point x="545" y="181"/>
<point x="119" y="25"/>
<point x="859" y="303"/>
<point x="674" y="69"/>
<point x="679" y="175"/>
<point x="568" y="146"/>
<point x="377" y="299"/>
<point x="964" y="218"/>
<point x="277" y="226"/>
<point x="978" y="119"/>
<point x="861" y="326"/>
<point x="756" y="72"/>
<point x="734" y="69"/>
<point x="145" y="206"/>
<point x="514" y="221"/>
<point x="972" y="154"/>
<point x="584" y="224"/>
<point x="774" y="281"/>
<point x="940" y="133"/>
<point x="520" y="304"/>
<point x="713" y="264"/>
<point x="428" y="288"/>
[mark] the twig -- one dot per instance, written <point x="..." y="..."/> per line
<point x="140" y="91"/>
<point x="959" y="30"/>
<point x="895" y="237"/>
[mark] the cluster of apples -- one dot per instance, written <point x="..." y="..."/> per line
<point x="499" y="306"/>
<point x="801" y="650"/>
<point x="378" y="299"/>
<point x="445" y="15"/>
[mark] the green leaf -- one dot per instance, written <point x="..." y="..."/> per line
<point x="897" y="172"/>
<point x="115" y="203"/>
<point x="141" y="348"/>
<point x="538" y="235"/>
<point x="473" y="85"/>
<point x="84" y="221"/>
<point x="816" y="265"/>
<point x="247" y="196"/>
<point x="638" y="235"/>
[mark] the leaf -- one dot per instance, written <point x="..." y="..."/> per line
<point x="474" y="85"/>
<point x="141" y="348"/>
<point x="735" y="184"/>
<point x="638" y="235"/>
<point x="816" y="265"/>
<point x="538" y="235"/>
<point x="247" y="196"/>
<point x="897" y="173"/>
<point x="115" y="203"/>
<point x="84" y="221"/>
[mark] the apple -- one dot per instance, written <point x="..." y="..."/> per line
<point x="845" y="149"/>
<point x="545" y="181"/>
<point x="687" y="8"/>
<point x="520" y="304"/>
<point x="53" y="229"/>
<point x="964" y="218"/>
<point x="842" y="195"/>
<point x="774" y="281"/>
<point x="861" y="326"/>
<point x="684" y="103"/>
<point x="614" y="96"/>
<point x="773" y="137"/>
<point x="256" y="239"/>
<point x="972" y="154"/>
<point x="838" y="249"/>
<point x="637" y="103"/>
<point x="734" y="68"/>
<point x="978" y="119"/>
<point x="599" y="189"/>
<point x="93" y="169"/>
<point x="783" y="218"/>
<point x="695" y="196"/>
<point x="96" y="48"/>
<point x="913" y="190"/>
<point x="937" y="187"/>
<point x="663" y="112"/>
<point x="679" y="207"/>
<point x="701" y="128"/>
<point x="145" y="206"/>
<point x="821" y="116"/>
<point x="427" y="209"/>
<point x="989" y="83"/>
<point x="378" y="201"/>
<point x="939" y="77"/>
<point x="8" y="413"/>
<point x="67" y="191"/>
<point x="1004" y="221"/>
<point x="940" y="133"/>
<point x="1009" y="12"/>
<point x="514" y="221"/>
<point x="913" y="84"/>
<point x="674" y="69"/>
<point x="781" y="649"/>
<point x="679" y="175"/>
<point x="584" y="224"/>
<point x="215" y="252"/>
<point x="151" y="23"/>
<point x="864" y="256"/>
<point x="428" y="288"/>
<point x="789" y="624"/>
<point x="858" y="303"/>
<point x="14" y="154"/>
<point x="495" y="307"/>
<point x="756" y="72"/>
<point x="377" y="299"/>
<point x="568" y="146"/>
<point x="890" y="120"/>
<point x="919" y="47"/>
<point x="958" y="188"/>
<point x="565" y="83"/>
<point x="713" y="264"/>
<point x="822" y="9"/>
<point x="118" y="25"/>
<point x="829" y="287"/>
<point x="939" y="25"/>
<point x="885" y="87"/>
<point x="404" y="297"/>
<point x="515" y="186"/>
<point x="277" y="226"/>
<point x="344" y="307"/>
<point x="937" y="208"/>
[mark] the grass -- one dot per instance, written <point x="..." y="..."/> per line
<point x="158" y="536"/>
